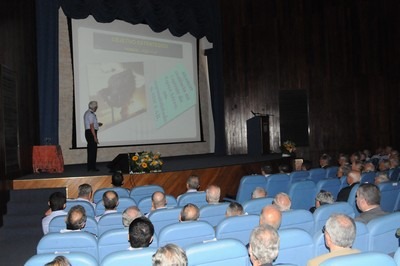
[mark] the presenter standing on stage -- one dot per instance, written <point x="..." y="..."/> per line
<point x="91" y="128"/>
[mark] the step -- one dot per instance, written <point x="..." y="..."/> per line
<point x="33" y="195"/>
<point x="22" y="221"/>
<point x="27" y="208"/>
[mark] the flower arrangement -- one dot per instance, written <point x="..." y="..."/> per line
<point x="288" y="147"/>
<point x="145" y="162"/>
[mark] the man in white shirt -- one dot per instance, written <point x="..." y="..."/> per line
<point x="91" y="128"/>
<point x="76" y="219"/>
<point x="110" y="202"/>
<point x="57" y="204"/>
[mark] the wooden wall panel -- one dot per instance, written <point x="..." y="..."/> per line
<point x="343" y="53"/>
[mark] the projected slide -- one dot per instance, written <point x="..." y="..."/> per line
<point x="145" y="83"/>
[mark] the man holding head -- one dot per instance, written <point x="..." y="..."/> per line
<point x="213" y="194"/>
<point x="339" y="232"/>
<point x="76" y="219"/>
<point x="368" y="200"/>
<point x="141" y="232"/>
<point x="91" y="128"/>
<point x="263" y="245"/>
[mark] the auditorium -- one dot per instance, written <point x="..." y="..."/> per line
<point x="108" y="106"/>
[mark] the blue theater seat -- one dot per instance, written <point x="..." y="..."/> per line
<point x="75" y="258"/>
<point x="360" y="259"/>
<point x="140" y="192"/>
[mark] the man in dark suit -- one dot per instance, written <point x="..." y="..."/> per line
<point x="353" y="178"/>
<point x="368" y="201"/>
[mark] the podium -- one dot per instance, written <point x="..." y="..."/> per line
<point x="258" y="135"/>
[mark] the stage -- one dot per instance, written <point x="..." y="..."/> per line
<point x="225" y="171"/>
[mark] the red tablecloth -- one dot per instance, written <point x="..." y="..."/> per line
<point x="47" y="158"/>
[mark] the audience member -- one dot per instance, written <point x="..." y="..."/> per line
<point x="193" y="184"/>
<point x="213" y="194"/>
<point x="368" y="202"/>
<point x="141" y="232"/>
<point x="76" y="219"/>
<point x="384" y="165"/>
<point x="284" y="169"/>
<point x="393" y="162"/>
<point x="266" y="170"/>
<point x="234" y="209"/>
<point x="322" y="198"/>
<point x="325" y="161"/>
<point x="368" y="167"/>
<point x="110" y="202"/>
<point x="259" y="192"/>
<point x="158" y="201"/>
<point x="59" y="261"/>
<point x="263" y="245"/>
<point x="381" y="177"/>
<point x="353" y="178"/>
<point x="339" y="232"/>
<point x="190" y="212"/>
<point x="85" y="192"/>
<point x="355" y="157"/>
<point x="117" y="179"/>
<point x="130" y="214"/>
<point x="343" y="159"/>
<point x="170" y="255"/>
<point x="270" y="215"/>
<point x="57" y="201"/>
<point x="343" y="170"/>
<point x="306" y="165"/>
<point x="357" y="165"/>
<point x="282" y="201"/>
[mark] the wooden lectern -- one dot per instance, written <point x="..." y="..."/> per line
<point x="258" y="135"/>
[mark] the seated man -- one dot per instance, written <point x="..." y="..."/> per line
<point x="282" y="201"/>
<point x="192" y="184"/>
<point x="339" y="232"/>
<point x="264" y="245"/>
<point x="270" y="215"/>
<point x="368" y="201"/>
<point x="190" y="212"/>
<point x="85" y="192"/>
<point x="76" y="219"/>
<point x="141" y="232"/>
<point x="57" y="202"/>
<point x="266" y="170"/>
<point x="325" y="161"/>
<point x="322" y="198"/>
<point x="381" y="178"/>
<point x="353" y="178"/>
<point x="130" y="214"/>
<point x="213" y="194"/>
<point x="259" y="192"/>
<point x="117" y="179"/>
<point x="170" y="254"/>
<point x="110" y="202"/>
<point x="234" y="209"/>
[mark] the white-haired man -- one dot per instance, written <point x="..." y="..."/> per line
<point x="263" y="245"/>
<point x="91" y="128"/>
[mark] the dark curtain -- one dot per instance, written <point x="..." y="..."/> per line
<point x="200" y="18"/>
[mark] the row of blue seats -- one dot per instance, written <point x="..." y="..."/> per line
<point x="296" y="245"/>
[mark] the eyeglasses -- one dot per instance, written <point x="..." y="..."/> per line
<point x="323" y="229"/>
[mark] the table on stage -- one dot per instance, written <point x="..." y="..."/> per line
<point x="47" y="158"/>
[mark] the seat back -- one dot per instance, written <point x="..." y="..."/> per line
<point x="322" y="213"/>
<point x="163" y="217"/>
<point x="140" y="192"/>
<point x="329" y="184"/>
<point x="297" y="176"/>
<point x="301" y="219"/>
<point x="213" y="213"/>
<point x="277" y="183"/>
<point x="75" y="258"/>
<point x="85" y="204"/>
<point x="58" y="223"/>
<point x="122" y="205"/>
<point x="302" y="194"/>
<point x="361" y="240"/>
<point x="394" y="174"/>
<point x="368" y="177"/>
<point x="396" y="256"/>
<point x="360" y="259"/>
<point x="317" y="174"/>
<point x="352" y="199"/>
<point x="218" y="252"/>
<point x="254" y="206"/>
<point x="112" y="241"/>
<point x="98" y="194"/>
<point x="144" y="204"/>
<point x="319" y="244"/>
<point x="382" y="232"/>
<point x="110" y="221"/>
<point x="186" y="233"/>
<point x="68" y="242"/>
<point x="343" y="182"/>
<point x="246" y="186"/>
<point x="296" y="246"/>
<point x="331" y="171"/>
<point x="127" y="257"/>
<point x="389" y="193"/>
<point x="196" y="198"/>
<point x="237" y="227"/>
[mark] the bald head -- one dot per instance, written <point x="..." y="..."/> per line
<point x="258" y="192"/>
<point x="130" y="214"/>
<point x="190" y="212"/>
<point x="272" y="216"/>
<point x="110" y="200"/>
<point x="353" y="177"/>
<point x="213" y="194"/>
<point x="76" y="218"/>
<point x="158" y="200"/>
<point x="282" y="201"/>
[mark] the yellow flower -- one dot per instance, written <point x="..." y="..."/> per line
<point x="135" y="158"/>
<point x="144" y="165"/>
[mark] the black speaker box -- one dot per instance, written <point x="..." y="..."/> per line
<point x="120" y="163"/>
